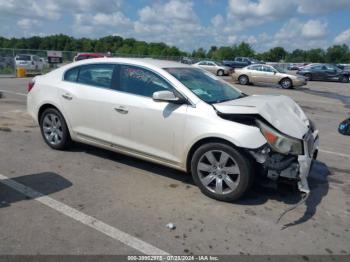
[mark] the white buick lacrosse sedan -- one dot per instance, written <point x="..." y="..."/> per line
<point x="178" y="116"/>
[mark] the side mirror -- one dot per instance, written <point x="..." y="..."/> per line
<point x="167" y="96"/>
<point x="274" y="72"/>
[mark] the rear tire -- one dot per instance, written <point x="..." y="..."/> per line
<point x="54" y="129"/>
<point x="344" y="79"/>
<point x="243" y="80"/>
<point x="221" y="172"/>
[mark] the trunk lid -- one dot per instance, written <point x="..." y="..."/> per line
<point x="279" y="110"/>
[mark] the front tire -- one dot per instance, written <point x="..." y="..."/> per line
<point x="220" y="72"/>
<point x="344" y="79"/>
<point x="54" y="129"/>
<point x="243" y="80"/>
<point x="286" y="83"/>
<point x="221" y="172"/>
<point x="308" y="77"/>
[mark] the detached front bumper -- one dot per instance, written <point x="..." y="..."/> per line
<point x="311" y="146"/>
<point x="290" y="167"/>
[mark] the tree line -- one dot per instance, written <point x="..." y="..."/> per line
<point x="130" y="46"/>
<point x="333" y="54"/>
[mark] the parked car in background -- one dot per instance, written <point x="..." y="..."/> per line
<point x="187" y="60"/>
<point x="324" y="72"/>
<point x="240" y="62"/>
<point x="82" y="56"/>
<point x="179" y="116"/>
<point x="267" y="74"/>
<point x="29" y="62"/>
<point x="216" y="68"/>
<point x="293" y="66"/>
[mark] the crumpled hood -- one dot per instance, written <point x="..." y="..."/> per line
<point x="279" y="110"/>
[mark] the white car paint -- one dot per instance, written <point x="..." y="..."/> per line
<point x="160" y="131"/>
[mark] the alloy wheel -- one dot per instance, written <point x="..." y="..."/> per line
<point x="218" y="172"/>
<point x="52" y="128"/>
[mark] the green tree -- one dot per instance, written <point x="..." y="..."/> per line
<point x="338" y="54"/>
<point x="243" y="49"/>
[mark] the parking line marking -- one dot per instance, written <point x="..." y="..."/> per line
<point x="90" y="221"/>
<point x="13" y="93"/>
<point x="334" y="153"/>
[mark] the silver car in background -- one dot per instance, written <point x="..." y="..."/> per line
<point x="214" y="67"/>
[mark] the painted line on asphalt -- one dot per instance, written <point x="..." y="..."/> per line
<point x="334" y="153"/>
<point x="90" y="221"/>
<point x="13" y="93"/>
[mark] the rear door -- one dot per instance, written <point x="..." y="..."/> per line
<point x="255" y="73"/>
<point x="87" y="98"/>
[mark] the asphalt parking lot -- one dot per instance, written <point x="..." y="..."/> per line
<point x="94" y="201"/>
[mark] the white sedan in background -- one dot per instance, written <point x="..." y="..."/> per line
<point x="214" y="67"/>
<point x="178" y="116"/>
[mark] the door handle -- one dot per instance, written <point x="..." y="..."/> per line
<point x="121" y="110"/>
<point x="67" y="96"/>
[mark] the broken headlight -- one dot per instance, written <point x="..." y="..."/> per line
<point x="279" y="142"/>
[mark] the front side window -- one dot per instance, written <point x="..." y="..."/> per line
<point x="96" y="75"/>
<point x="255" y="67"/>
<point x="268" y="69"/>
<point x="72" y="74"/>
<point x="139" y="81"/>
<point x="206" y="86"/>
<point x="318" y="67"/>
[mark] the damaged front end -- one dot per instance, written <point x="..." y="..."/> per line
<point x="283" y="156"/>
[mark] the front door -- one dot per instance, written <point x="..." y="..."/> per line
<point x="154" y="129"/>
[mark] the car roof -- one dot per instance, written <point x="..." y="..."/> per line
<point x="90" y="54"/>
<point x="135" y="61"/>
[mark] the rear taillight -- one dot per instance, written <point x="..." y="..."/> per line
<point x="30" y="85"/>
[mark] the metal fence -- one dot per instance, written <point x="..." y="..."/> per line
<point x="9" y="63"/>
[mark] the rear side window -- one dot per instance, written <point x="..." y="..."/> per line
<point x="139" y="81"/>
<point x="72" y="74"/>
<point x="99" y="75"/>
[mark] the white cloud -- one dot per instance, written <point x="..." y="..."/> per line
<point x="111" y="23"/>
<point x="259" y="9"/>
<point x="27" y="24"/>
<point x="299" y="34"/>
<point x="43" y="9"/>
<point x="173" y="22"/>
<point x="88" y="6"/>
<point x="343" y="37"/>
<point x="217" y="20"/>
<point x="321" y="6"/>
<point x="314" y="29"/>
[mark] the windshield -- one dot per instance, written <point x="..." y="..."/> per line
<point x="206" y="86"/>
<point x="218" y="63"/>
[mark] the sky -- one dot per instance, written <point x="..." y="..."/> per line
<point x="187" y="24"/>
